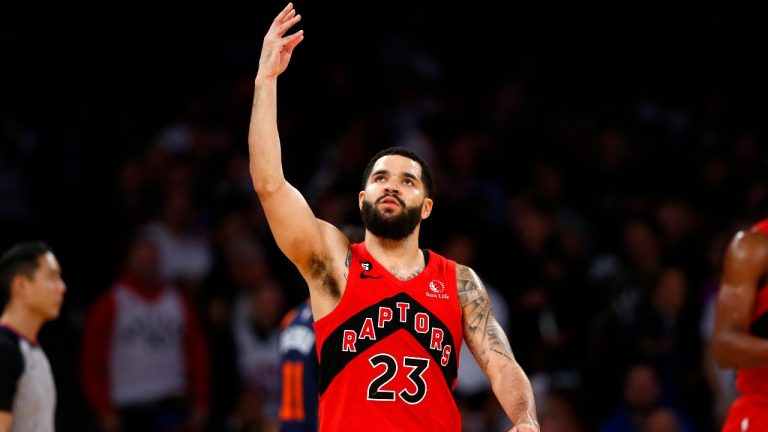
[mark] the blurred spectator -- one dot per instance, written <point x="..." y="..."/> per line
<point x="559" y="413"/>
<point x="663" y="420"/>
<point x="224" y="377"/>
<point x="629" y="269"/>
<point x="677" y="222"/>
<point x="237" y="261"/>
<point x="665" y="336"/>
<point x="184" y="247"/>
<point x="249" y="414"/>
<point x="540" y="281"/>
<point x="144" y="360"/>
<point x="256" y="317"/>
<point x="641" y="397"/>
<point x="621" y="280"/>
<point x="466" y="193"/>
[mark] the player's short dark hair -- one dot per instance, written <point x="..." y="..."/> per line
<point x="426" y="170"/>
<point x="20" y="259"/>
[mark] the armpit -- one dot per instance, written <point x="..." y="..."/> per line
<point x="321" y="273"/>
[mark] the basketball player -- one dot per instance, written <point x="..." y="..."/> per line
<point x="31" y="293"/>
<point x="298" y="368"/>
<point x="389" y="316"/>
<point x="741" y="327"/>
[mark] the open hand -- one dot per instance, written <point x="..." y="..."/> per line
<point x="277" y="47"/>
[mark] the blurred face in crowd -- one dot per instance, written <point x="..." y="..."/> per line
<point x="663" y="420"/>
<point x="641" y="388"/>
<point x="670" y="292"/>
<point x="394" y="202"/>
<point x="144" y="261"/>
<point x="558" y="416"/>
<point x="266" y="303"/>
<point x="460" y="248"/>
<point x="641" y="245"/>
<point x="179" y="209"/>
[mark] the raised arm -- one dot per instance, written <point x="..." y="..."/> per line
<point x="745" y="263"/>
<point x="301" y="237"/>
<point x="489" y="345"/>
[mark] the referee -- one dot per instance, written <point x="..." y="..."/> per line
<point x="31" y="293"/>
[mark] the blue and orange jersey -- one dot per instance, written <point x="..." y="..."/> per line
<point x="299" y="371"/>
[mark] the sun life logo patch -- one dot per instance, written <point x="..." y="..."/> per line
<point x="436" y="286"/>
<point x="437" y="289"/>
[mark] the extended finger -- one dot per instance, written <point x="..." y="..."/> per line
<point x="289" y="15"/>
<point x="286" y="10"/>
<point x="281" y="16"/>
<point x="288" y="23"/>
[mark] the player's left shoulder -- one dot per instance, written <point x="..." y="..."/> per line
<point x="466" y="275"/>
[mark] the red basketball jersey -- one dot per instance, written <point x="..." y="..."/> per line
<point x="389" y="351"/>
<point x="755" y="380"/>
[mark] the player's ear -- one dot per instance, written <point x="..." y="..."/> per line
<point x="426" y="208"/>
<point x="360" y="199"/>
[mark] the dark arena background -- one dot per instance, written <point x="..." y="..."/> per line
<point x="592" y="162"/>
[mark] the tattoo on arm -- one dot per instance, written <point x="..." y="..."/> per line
<point x="482" y="331"/>
<point x="347" y="263"/>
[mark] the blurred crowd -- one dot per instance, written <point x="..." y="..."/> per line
<point x="594" y="201"/>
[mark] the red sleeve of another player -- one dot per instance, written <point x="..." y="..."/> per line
<point x="196" y="355"/>
<point x="94" y="367"/>
<point x="762" y="226"/>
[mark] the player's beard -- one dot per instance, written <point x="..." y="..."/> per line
<point x="394" y="227"/>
